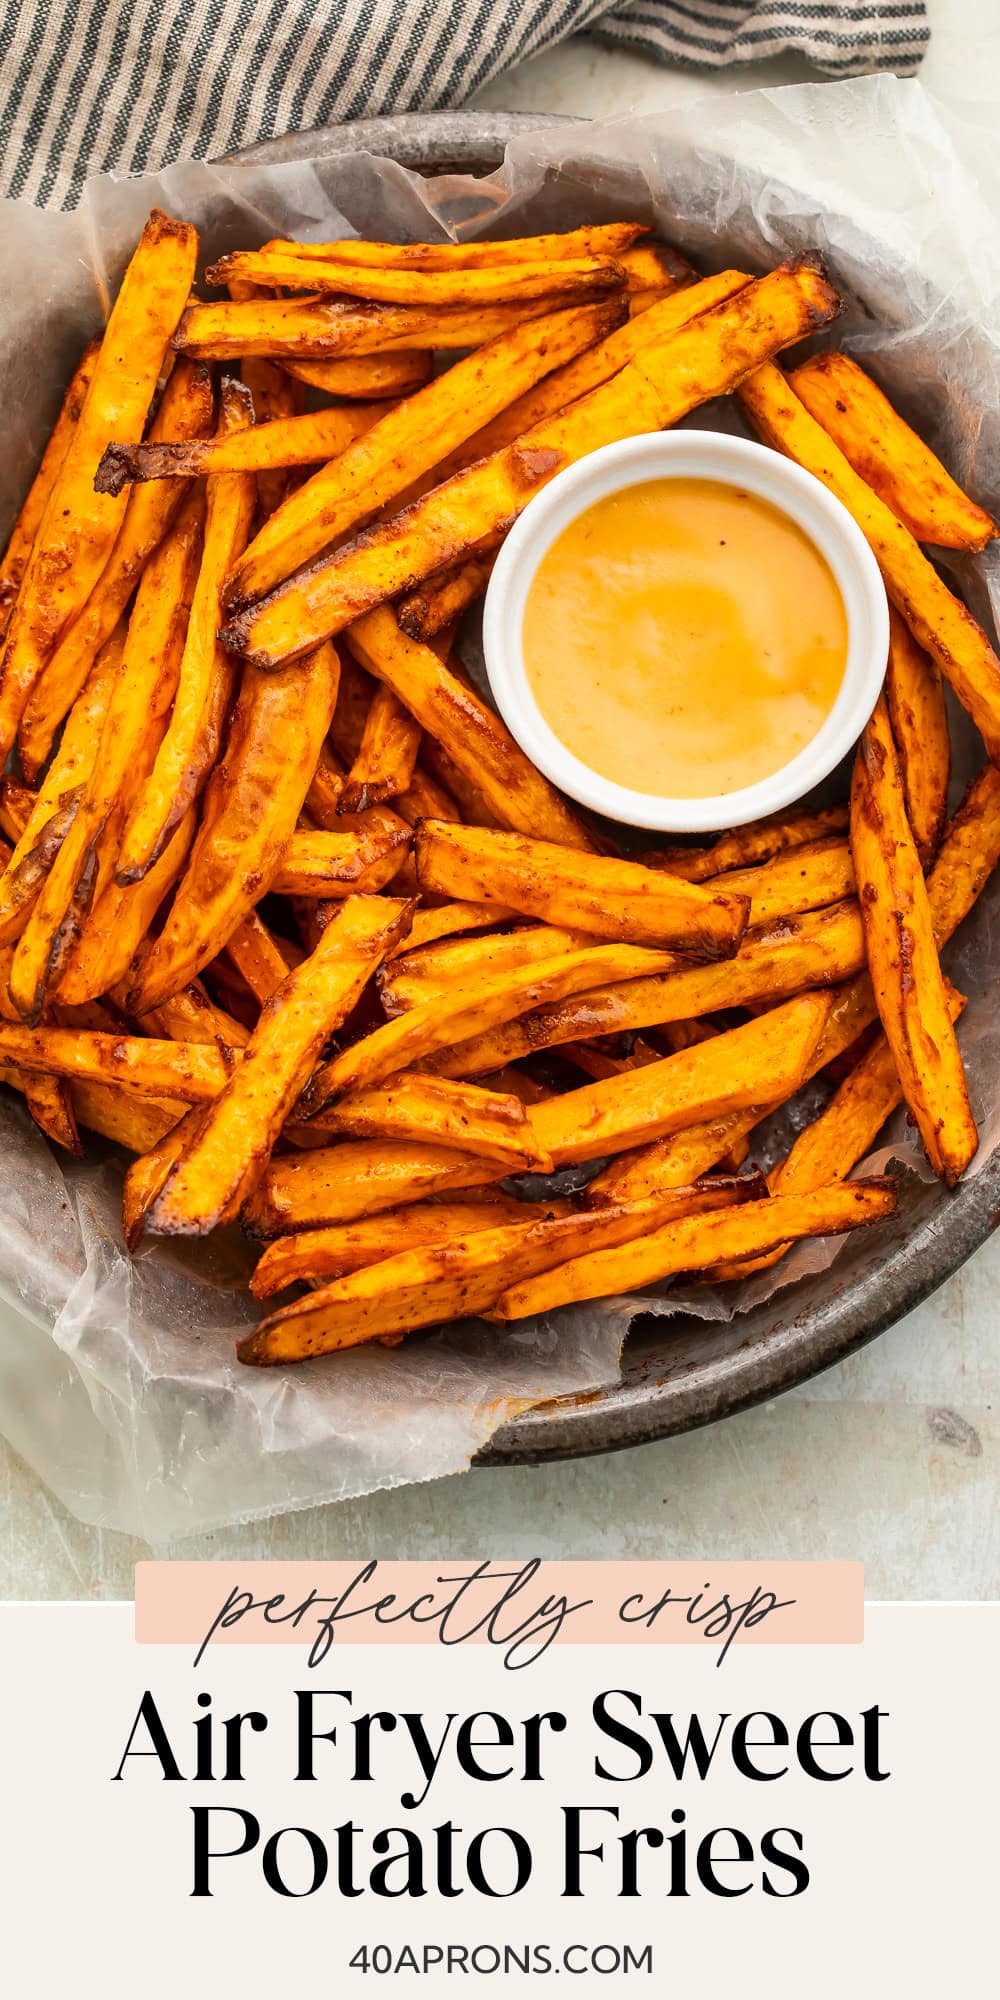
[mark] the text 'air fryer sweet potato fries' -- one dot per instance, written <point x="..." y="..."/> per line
<point x="286" y="912"/>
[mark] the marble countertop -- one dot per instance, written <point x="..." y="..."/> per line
<point x="892" y="1458"/>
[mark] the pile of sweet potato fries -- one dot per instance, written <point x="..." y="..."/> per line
<point x="286" y="912"/>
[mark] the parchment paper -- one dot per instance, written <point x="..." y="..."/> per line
<point x="118" y="1381"/>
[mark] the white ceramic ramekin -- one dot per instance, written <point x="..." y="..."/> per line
<point x="688" y="455"/>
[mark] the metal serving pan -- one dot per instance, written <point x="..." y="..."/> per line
<point x="681" y="1372"/>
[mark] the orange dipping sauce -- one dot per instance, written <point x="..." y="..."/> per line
<point x="684" y="638"/>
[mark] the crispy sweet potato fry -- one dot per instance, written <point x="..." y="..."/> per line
<point x="487" y="1000"/>
<point x="425" y="798"/>
<point x="577" y="378"/>
<point x="672" y="1162"/>
<point x="445" y="920"/>
<point x="260" y="447"/>
<point x="436" y="1282"/>
<point x="365" y="854"/>
<point x="317" y="329"/>
<point x="408" y="442"/>
<point x="133" y="724"/>
<point x="697" y="1243"/>
<point x="611" y="899"/>
<point x="236" y="1135"/>
<point x="314" y="1254"/>
<point x="47" y="1097"/>
<point x="249" y="811"/>
<point x="356" y="1178"/>
<point x="699" y="1083"/>
<point x="367" y="377"/>
<point x="386" y="759"/>
<point x="185" y="412"/>
<point x="889" y="456"/>
<point x="79" y="526"/>
<point x="418" y="975"/>
<point x="902" y="956"/>
<point x="431" y="609"/>
<point x="190" y="1016"/>
<point x="148" y="1174"/>
<point x="59" y="795"/>
<point x="119" y="923"/>
<point x="258" y="957"/>
<point x="915" y="694"/>
<point x="137" y="1123"/>
<point x="489" y="1123"/>
<point x="657" y="388"/>
<point x="486" y="285"/>
<point x="818" y="949"/>
<point x="748" y="846"/>
<point x="21" y="540"/>
<point x="938" y="620"/>
<point x="479" y="744"/>
<point x="805" y="878"/>
<point x="190" y="745"/>
<point x="150" y="1068"/>
<point x="326" y="789"/>
<point x="275" y="396"/>
<point x="598" y="239"/>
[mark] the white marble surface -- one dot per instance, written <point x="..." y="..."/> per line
<point x="894" y="1457"/>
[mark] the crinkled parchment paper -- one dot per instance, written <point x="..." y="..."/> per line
<point x="117" y="1379"/>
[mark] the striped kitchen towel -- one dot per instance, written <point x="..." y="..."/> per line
<point x="130" y="85"/>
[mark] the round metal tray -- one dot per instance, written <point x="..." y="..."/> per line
<point x="681" y="1372"/>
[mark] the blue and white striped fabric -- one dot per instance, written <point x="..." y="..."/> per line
<point x="131" y="85"/>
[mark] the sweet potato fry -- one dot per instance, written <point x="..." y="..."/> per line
<point x="697" y="1243"/>
<point x="577" y="378"/>
<point x="485" y="1000"/>
<point x="147" y="1175"/>
<point x="79" y="526"/>
<point x="235" y="1138"/>
<point x="463" y="1116"/>
<point x="365" y="855"/>
<point x="657" y="388"/>
<point x="408" y="442"/>
<point x="805" y="878"/>
<point x="326" y="789"/>
<point x="137" y="1123"/>
<point x="818" y="949"/>
<point x="356" y="1178"/>
<point x="275" y="396"/>
<point x="316" y="1254"/>
<point x="258" y="957"/>
<point x="259" y="447"/>
<point x="133" y="724"/>
<point x="150" y="1068"/>
<point x="431" y="609"/>
<point x="915" y="694"/>
<point x="938" y="620"/>
<point x="902" y="956"/>
<point x="608" y="898"/>
<point x="446" y="920"/>
<point x="316" y="329"/>
<point x="249" y="811"/>
<point x="190" y="745"/>
<point x="185" y="412"/>
<point x="21" y="539"/>
<point x="190" y="1016"/>
<point x="675" y="1161"/>
<point x="386" y="759"/>
<point x="479" y="744"/>
<point x="748" y="846"/>
<point x="415" y="976"/>
<point x="47" y="1097"/>
<point x="425" y="798"/>
<point x="598" y="239"/>
<point x="486" y="285"/>
<point x="436" y="1282"/>
<point x="889" y="456"/>
<point x="57" y="799"/>
<point x="119" y="924"/>
<point x="699" y="1083"/>
<point x="367" y="377"/>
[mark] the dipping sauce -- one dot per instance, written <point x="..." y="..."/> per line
<point x="683" y="637"/>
